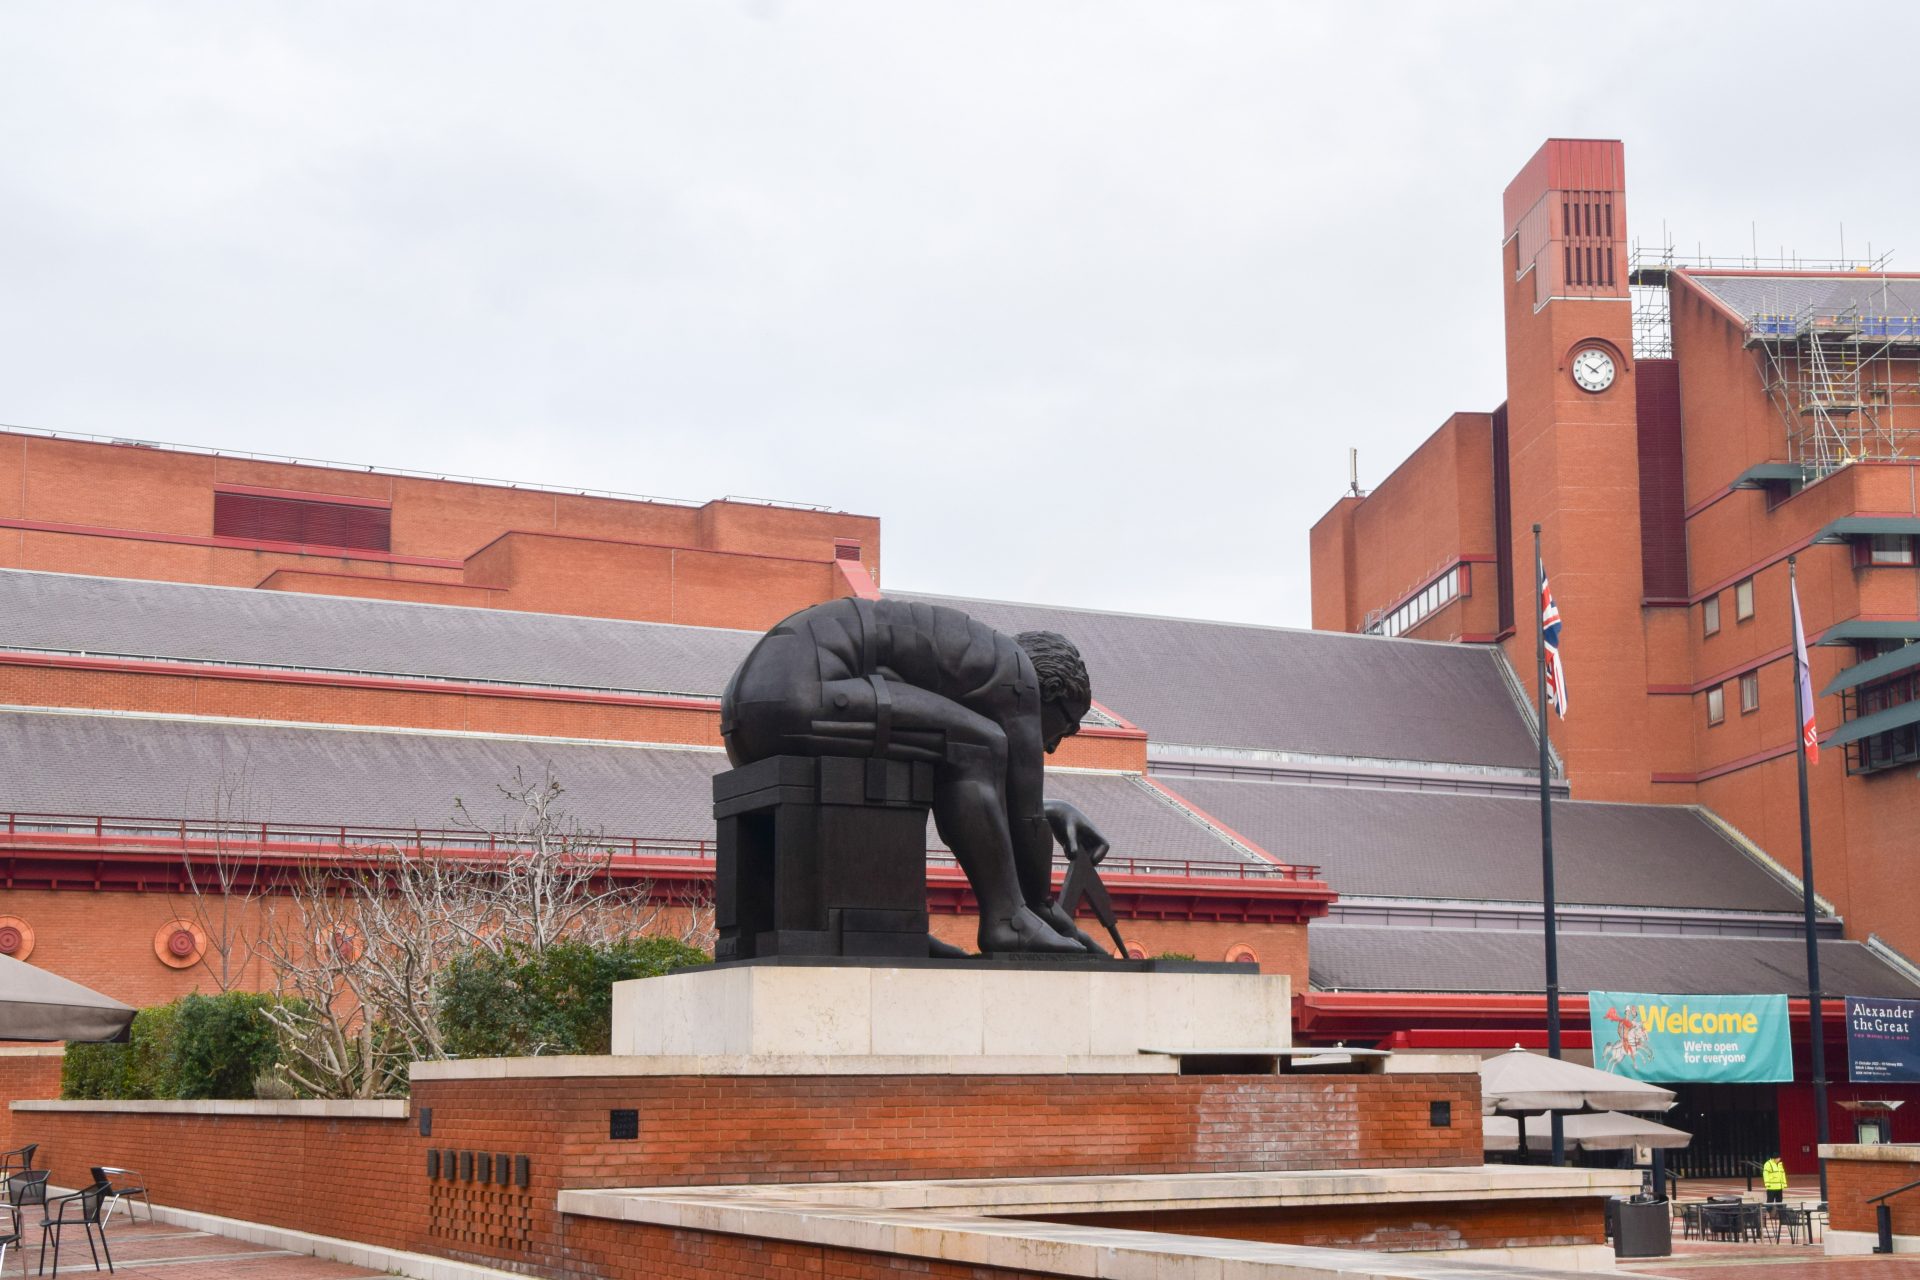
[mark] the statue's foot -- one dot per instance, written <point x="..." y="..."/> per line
<point x="937" y="949"/>
<point x="1062" y="923"/>
<point x="1024" y="931"/>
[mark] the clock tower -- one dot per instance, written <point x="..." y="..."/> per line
<point x="1572" y="453"/>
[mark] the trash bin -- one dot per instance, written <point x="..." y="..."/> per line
<point x="1643" y="1228"/>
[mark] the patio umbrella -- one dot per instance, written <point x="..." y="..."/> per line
<point x="1518" y="1081"/>
<point x="37" y="1005"/>
<point x="1590" y="1131"/>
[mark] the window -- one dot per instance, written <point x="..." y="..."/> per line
<point x="1716" y="705"/>
<point x="1442" y="591"/>
<point x="1743" y="599"/>
<point x="1889" y="548"/>
<point x="1749" y="692"/>
<point x="1710" y="614"/>
<point x="1897" y="746"/>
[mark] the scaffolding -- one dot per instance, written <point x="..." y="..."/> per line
<point x="1837" y="344"/>
<point x="1845" y="381"/>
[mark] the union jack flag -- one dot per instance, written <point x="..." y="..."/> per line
<point x="1550" y="630"/>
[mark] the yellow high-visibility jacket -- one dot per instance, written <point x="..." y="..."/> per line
<point x="1774" y="1175"/>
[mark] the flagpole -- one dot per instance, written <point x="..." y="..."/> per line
<point x="1815" y="999"/>
<point x="1559" y="1156"/>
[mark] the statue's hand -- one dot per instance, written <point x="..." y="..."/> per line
<point x="1074" y="832"/>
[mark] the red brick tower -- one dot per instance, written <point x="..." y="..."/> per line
<point x="1572" y="451"/>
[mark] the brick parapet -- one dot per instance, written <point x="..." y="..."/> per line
<point x="1851" y="1183"/>
<point x="367" y="1179"/>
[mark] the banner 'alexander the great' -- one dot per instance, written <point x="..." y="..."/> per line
<point x="1679" y="1039"/>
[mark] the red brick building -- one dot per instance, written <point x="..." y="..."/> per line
<point x="328" y="657"/>
<point x="336" y="654"/>
<point x="1678" y="431"/>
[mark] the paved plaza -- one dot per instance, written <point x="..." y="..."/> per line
<point x="165" y="1252"/>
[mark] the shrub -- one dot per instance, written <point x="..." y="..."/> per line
<point x="196" y="1047"/>
<point x="92" y="1071"/>
<point x="1175" y="955"/>
<point x="221" y="1044"/>
<point x="152" y="1070"/>
<point x="517" y="1003"/>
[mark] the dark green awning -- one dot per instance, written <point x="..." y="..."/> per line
<point x="1865" y="526"/>
<point x="1856" y="629"/>
<point x="1762" y="474"/>
<point x="1905" y="658"/>
<point x="1879" y="722"/>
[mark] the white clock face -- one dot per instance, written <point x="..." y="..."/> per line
<point x="1593" y="369"/>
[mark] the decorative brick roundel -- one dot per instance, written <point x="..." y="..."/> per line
<point x="1241" y="953"/>
<point x="179" y="944"/>
<point x="1136" y="952"/>
<point x="16" y="937"/>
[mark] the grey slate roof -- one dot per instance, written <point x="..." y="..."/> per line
<point x="153" y="767"/>
<point x="1269" y="688"/>
<point x="1868" y="297"/>
<point x="1195" y="683"/>
<point x="1355" y="958"/>
<point x="1424" y="844"/>
<point x="277" y="628"/>
<point x="136" y="766"/>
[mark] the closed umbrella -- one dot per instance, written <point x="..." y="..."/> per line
<point x="37" y="1005"/>
<point x="1591" y="1131"/>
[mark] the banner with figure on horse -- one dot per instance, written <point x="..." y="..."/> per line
<point x="1681" y="1039"/>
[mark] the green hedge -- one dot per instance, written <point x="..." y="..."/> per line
<point x="196" y="1047"/>
<point x="519" y="1003"/>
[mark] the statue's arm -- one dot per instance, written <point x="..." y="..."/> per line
<point x="1075" y="831"/>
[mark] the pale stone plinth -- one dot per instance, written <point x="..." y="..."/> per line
<point x="828" y="1012"/>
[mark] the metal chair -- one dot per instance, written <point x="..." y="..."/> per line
<point x="24" y="1187"/>
<point x="87" y="1203"/>
<point x="18" y="1158"/>
<point x="118" y="1191"/>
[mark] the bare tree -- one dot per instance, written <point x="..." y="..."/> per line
<point x="358" y="945"/>
<point x="223" y="878"/>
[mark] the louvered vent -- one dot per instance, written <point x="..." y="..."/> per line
<point x="304" y="521"/>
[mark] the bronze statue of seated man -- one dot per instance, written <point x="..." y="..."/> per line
<point x="908" y="681"/>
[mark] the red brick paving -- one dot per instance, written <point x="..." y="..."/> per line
<point x="158" y="1251"/>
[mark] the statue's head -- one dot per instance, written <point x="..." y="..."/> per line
<point x="1065" y="693"/>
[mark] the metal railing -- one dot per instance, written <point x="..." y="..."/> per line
<point x="189" y="836"/>
<point x="1883" y="1217"/>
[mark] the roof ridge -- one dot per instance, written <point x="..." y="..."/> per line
<point x="386" y="730"/>
<point x="258" y="593"/>
<point x="936" y="597"/>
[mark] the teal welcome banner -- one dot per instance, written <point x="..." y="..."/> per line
<point x="1682" y="1039"/>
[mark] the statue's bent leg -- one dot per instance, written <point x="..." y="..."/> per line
<point x="970" y="812"/>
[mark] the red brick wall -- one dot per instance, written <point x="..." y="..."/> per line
<point x="366" y="1179"/>
<point x="1428" y="1224"/>
<point x="1851" y="1182"/>
<point x="31" y="1071"/>
<point x="598" y="1248"/>
<point x="1435" y="508"/>
<point x="270" y="697"/>
<point x="779" y="554"/>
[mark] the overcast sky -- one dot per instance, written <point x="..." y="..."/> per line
<point x="1085" y="300"/>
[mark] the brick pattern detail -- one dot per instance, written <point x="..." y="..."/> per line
<point x="467" y="1218"/>
<point x="367" y="1179"/>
